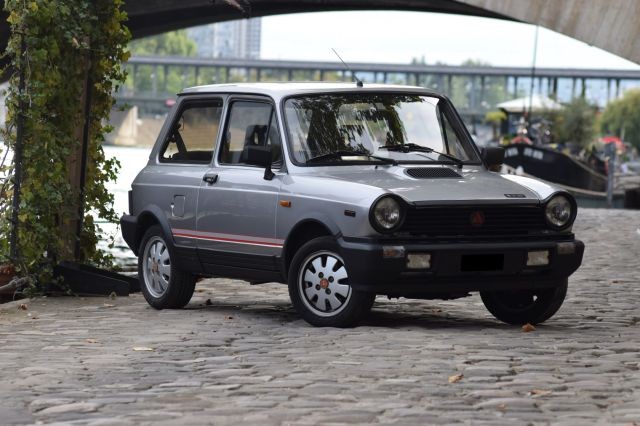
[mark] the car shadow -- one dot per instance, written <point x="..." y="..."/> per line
<point x="281" y="313"/>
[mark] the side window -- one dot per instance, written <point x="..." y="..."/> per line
<point x="193" y="136"/>
<point x="250" y="123"/>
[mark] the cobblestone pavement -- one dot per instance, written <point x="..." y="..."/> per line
<point x="246" y="357"/>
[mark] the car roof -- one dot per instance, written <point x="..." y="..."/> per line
<point x="284" y="89"/>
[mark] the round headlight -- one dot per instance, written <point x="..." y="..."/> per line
<point x="559" y="211"/>
<point x="386" y="214"/>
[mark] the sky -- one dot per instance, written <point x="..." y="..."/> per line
<point x="397" y="37"/>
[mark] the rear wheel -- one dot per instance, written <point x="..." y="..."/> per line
<point x="525" y="306"/>
<point x="162" y="283"/>
<point x="319" y="286"/>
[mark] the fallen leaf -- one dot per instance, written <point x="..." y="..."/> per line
<point x="528" y="327"/>
<point x="456" y="378"/>
<point x="539" y="392"/>
<point x="228" y="317"/>
<point x="200" y="290"/>
<point x="92" y="341"/>
<point x="23" y="307"/>
<point x="143" y="349"/>
<point x="208" y="302"/>
<point x="108" y="305"/>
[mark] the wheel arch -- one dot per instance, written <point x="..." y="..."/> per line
<point x="151" y="215"/>
<point x="303" y="231"/>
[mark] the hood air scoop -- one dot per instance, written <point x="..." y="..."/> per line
<point x="432" y="173"/>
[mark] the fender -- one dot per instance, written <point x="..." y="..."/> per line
<point x="133" y="227"/>
<point x="313" y="218"/>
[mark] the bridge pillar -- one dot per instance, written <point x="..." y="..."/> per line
<point x="154" y="80"/>
<point x="165" y="72"/>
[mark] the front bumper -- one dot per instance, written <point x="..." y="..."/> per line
<point x="450" y="271"/>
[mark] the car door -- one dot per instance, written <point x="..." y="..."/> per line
<point x="185" y="156"/>
<point x="236" y="204"/>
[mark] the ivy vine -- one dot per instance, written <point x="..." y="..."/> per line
<point x="61" y="45"/>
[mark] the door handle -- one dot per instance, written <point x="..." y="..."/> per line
<point x="210" y="178"/>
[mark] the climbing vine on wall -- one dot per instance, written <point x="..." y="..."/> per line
<point x="67" y="49"/>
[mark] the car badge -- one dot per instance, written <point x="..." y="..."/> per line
<point x="476" y="219"/>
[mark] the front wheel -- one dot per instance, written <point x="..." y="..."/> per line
<point x="525" y="306"/>
<point x="319" y="286"/>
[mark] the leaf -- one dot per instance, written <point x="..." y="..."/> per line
<point x="228" y="317"/>
<point x="456" y="378"/>
<point x="108" y="305"/>
<point x="23" y="307"/>
<point x="528" y="328"/>
<point x="539" y="392"/>
<point x="92" y="341"/>
<point x="143" y="349"/>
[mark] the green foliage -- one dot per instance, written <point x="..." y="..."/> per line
<point x="175" y="43"/>
<point x="622" y="118"/>
<point x="61" y="38"/>
<point x="574" y="123"/>
<point x="495" y="117"/>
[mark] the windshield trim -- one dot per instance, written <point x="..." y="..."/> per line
<point x="450" y="112"/>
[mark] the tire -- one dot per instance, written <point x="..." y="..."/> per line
<point x="525" y="306"/>
<point x="163" y="285"/>
<point x="319" y="289"/>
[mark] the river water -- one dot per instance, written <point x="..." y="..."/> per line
<point x="132" y="159"/>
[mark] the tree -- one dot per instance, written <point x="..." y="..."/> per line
<point x="575" y="123"/>
<point x="175" y="43"/>
<point x="622" y="118"/>
<point x="495" y="118"/>
<point x="66" y="60"/>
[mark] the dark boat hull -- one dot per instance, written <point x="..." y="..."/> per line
<point x="555" y="167"/>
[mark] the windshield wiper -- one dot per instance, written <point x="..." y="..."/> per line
<point x="336" y="155"/>
<point x="414" y="147"/>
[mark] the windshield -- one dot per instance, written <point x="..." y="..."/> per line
<point x="353" y="127"/>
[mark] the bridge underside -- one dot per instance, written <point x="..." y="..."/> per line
<point x="609" y="24"/>
<point x="150" y="17"/>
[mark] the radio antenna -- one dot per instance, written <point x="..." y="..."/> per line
<point x="359" y="82"/>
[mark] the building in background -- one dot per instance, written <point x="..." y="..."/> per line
<point x="233" y="39"/>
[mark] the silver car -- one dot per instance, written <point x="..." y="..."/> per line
<point x="344" y="192"/>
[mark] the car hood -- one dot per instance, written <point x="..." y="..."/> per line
<point x="475" y="185"/>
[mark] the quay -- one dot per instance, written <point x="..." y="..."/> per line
<point x="239" y="354"/>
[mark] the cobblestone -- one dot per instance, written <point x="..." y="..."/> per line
<point x="247" y="358"/>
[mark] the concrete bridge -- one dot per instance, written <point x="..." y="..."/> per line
<point x="612" y="25"/>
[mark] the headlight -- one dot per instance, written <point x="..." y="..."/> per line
<point x="559" y="212"/>
<point x="386" y="214"/>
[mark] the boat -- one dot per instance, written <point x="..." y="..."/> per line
<point x="557" y="167"/>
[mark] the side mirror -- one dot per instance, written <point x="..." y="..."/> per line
<point x="259" y="156"/>
<point x="493" y="157"/>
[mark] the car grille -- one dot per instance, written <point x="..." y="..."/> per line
<point x="458" y="221"/>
